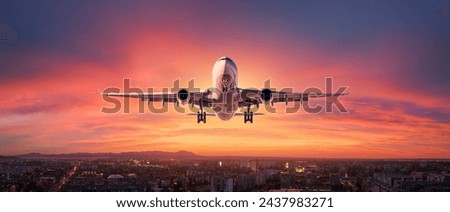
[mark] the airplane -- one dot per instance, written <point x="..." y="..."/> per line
<point x="225" y="97"/>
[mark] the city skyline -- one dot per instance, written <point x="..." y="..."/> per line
<point x="181" y="154"/>
<point x="55" y="56"/>
<point x="222" y="175"/>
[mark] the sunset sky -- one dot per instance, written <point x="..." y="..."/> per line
<point x="393" y="55"/>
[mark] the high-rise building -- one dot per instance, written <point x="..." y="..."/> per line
<point x="229" y="185"/>
<point x="220" y="183"/>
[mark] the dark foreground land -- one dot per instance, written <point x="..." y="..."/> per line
<point x="185" y="171"/>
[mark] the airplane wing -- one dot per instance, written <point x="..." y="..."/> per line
<point x="255" y="96"/>
<point x="154" y="97"/>
<point x="183" y="96"/>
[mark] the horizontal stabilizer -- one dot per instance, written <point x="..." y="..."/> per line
<point x="194" y="114"/>
<point x="255" y="114"/>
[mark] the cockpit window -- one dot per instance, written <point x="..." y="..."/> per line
<point x="225" y="58"/>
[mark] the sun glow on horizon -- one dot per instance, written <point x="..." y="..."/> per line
<point x="396" y="75"/>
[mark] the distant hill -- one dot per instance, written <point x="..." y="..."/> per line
<point x="7" y="157"/>
<point x="146" y="155"/>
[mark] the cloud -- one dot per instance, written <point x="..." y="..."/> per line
<point x="395" y="65"/>
<point x="8" y="35"/>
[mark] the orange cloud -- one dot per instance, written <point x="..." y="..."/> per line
<point x="53" y="105"/>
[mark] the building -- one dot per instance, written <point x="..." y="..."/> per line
<point x="221" y="184"/>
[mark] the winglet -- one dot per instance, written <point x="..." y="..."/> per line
<point x="101" y="93"/>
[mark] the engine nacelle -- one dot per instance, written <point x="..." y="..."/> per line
<point x="183" y="96"/>
<point x="266" y="95"/>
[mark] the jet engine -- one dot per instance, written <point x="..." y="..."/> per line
<point x="183" y="96"/>
<point x="266" y="95"/>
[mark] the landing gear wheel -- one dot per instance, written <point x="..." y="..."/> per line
<point x="201" y="117"/>
<point x="248" y="116"/>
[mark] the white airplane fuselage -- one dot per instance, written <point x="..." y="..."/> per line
<point x="225" y="82"/>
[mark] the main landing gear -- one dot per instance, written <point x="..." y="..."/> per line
<point x="201" y="115"/>
<point x="248" y="115"/>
